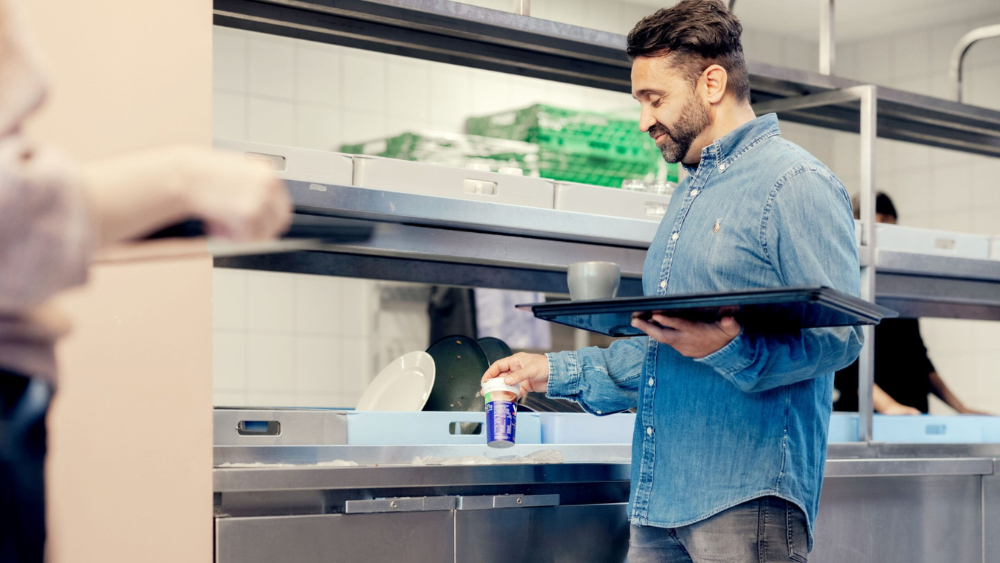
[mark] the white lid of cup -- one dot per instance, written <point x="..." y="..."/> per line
<point x="497" y="384"/>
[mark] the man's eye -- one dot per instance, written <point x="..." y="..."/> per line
<point x="656" y="102"/>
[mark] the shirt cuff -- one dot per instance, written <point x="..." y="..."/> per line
<point x="731" y="358"/>
<point x="564" y="375"/>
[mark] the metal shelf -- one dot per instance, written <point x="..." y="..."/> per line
<point x="920" y="285"/>
<point x="431" y="239"/>
<point x="456" y="33"/>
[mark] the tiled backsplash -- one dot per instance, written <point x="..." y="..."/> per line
<point x="305" y="340"/>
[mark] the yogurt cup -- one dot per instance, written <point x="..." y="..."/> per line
<point x="501" y="412"/>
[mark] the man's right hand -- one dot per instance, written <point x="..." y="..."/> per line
<point x="529" y="371"/>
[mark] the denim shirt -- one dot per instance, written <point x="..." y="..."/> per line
<point x="751" y="419"/>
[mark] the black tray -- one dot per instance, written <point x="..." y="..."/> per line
<point x="769" y="310"/>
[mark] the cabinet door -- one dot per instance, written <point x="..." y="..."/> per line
<point x="558" y="534"/>
<point x="418" y="537"/>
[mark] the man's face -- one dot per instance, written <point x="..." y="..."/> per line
<point x="672" y="113"/>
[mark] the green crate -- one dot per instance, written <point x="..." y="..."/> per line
<point x="451" y="149"/>
<point x="579" y="146"/>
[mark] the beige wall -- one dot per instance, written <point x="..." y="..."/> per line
<point x="130" y="432"/>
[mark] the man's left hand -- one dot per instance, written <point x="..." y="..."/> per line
<point x="690" y="338"/>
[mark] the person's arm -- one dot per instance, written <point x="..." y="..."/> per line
<point x="942" y="391"/>
<point x="602" y="381"/>
<point x="885" y="404"/>
<point x="54" y="215"/>
<point x="807" y="233"/>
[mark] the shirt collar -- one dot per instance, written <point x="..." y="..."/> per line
<point x="724" y="151"/>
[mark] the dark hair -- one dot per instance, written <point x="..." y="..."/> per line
<point x="696" y="34"/>
<point x="883" y="205"/>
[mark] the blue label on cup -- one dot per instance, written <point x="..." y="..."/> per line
<point x="501" y="417"/>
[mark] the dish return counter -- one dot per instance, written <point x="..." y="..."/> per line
<point x="309" y="496"/>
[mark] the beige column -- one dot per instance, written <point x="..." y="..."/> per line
<point x="129" y="474"/>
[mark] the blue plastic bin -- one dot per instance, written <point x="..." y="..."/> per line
<point x="425" y="428"/>
<point x="584" y="428"/>
<point x="928" y="429"/>
<point x="843" y="427"/>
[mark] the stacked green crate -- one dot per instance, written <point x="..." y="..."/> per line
<point x="451" y="149"/>
<point x="579" y="146"/>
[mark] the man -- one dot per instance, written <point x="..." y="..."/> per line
<point x="730" y="440"/>
<point x="53" y="217"/>
<point x="904" y="375"/>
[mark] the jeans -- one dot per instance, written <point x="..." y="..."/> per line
<point x="764" y="530"/>
<point x="24" y="403"/>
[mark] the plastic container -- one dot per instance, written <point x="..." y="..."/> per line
<point x="628" y="203"/>
<point x="843" y="427"/>
<point x="930" y="241"/>
<point x="501" y="412"/>
<point x="585" y="428"/>
<point x="928" y="429"/>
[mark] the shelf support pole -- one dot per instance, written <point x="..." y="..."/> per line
<point x="522" y="7"/>
<point x="826" y="37"/>
<point x="866" y="365"/>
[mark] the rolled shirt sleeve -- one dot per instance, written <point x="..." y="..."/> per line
<point x="601" y="380"/>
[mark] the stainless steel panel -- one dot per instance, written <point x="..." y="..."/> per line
<point x="491" y="502"/>
<point x="329" y="478"/>
<point x="904" y="519"/>
<point x="991" y="518"/>
<point x="901" y="467"/>
<point x="426" y="537"/>
<point x="565" y="534"/>
<point x="404" y="455"/>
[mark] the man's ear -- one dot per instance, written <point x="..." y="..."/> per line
<point x="714" y="81"/>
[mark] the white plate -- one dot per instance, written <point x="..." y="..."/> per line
<point x="404" y="385"/>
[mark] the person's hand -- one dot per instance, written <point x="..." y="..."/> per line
<point x="900" y="409"/>
<point x="134" y="195"/>
<point x="237" y="199"/>
<point x="690" y="338"/>
<point x="528" y="371"/>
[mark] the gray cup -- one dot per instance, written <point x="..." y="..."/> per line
<point x="593" y="280"/>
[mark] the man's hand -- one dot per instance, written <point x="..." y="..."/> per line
<point x="529" y="371"/>
<point x="690" y="338"/>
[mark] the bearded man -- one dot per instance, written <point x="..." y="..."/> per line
<point x="730" y="438"/>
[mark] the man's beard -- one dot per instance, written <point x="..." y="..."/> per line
<point x="692" y="121"/>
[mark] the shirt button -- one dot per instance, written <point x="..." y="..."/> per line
<point x="649" y="430"/>
<point x="598" y="412"/>
<point x="674" y="236"/>
<point x="694" y="193"/>
<point x="722" y="167"/>
<point x="650" y="381"/>
<point x="663" y="284"/>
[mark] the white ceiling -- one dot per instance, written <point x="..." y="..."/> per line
<point x="856" y="19"/>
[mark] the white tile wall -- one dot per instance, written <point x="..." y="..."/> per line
<point x="285" y="339"/>
<point x="293" y="340"/>
<point x="937" y="188"/>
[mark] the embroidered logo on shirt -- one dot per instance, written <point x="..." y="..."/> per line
<point x="715" y="229"/>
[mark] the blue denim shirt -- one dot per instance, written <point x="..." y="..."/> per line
<point x="751" y="419"/>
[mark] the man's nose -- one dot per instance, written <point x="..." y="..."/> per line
<point x="646" y="120"/>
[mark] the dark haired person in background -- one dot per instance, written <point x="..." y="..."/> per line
<point x="904" y="375"/>
<point x="730" y="438"/>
